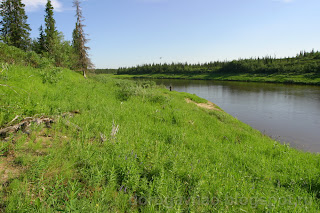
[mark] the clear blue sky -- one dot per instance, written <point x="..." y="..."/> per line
<point x="131" y="32"/>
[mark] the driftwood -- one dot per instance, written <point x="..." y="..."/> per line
<point x="24" y="124"/>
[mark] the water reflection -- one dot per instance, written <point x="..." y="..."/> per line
<point x="290" y="113"/>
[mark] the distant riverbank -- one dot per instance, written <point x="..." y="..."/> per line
<point x="306" y="79"/>
<point x="304" y="68"/>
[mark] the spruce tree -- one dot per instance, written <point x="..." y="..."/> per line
<point x="50" y="30"/>
<point x="14" y="28"/>
<point x="41" y="41"/>
<point x="79" y="41"/>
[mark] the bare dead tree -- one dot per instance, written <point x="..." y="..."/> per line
<point x="80" y="41"/>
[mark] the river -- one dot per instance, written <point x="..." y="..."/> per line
<point x="287" y="113"/>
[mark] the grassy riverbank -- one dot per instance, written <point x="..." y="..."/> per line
<point x="123" y="146"/>
<point x="309" y="79"/>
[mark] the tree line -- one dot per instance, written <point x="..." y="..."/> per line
<point x="304" y="62"/>
<point x="15" y="31"/>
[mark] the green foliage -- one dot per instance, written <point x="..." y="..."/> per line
<point x="50" y="30"/>
<point x="63" y="53"/>
<point x="128" y="89"/>
<point x="51" y="75"/>
<point x="63" y="57"/>
<point x="39" y="44"/>
<point x="50" y="44"/>
<point x="14" y="28"/>
<point x="13" y="55"/>
<point x="175" y="156"/>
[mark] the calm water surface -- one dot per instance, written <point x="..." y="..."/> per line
<point x="288" y="113"/>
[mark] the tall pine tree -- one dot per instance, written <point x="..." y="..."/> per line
<point x="50" y="30"/>
<point x="14" y="28"/>
<point x="79" y="41"/>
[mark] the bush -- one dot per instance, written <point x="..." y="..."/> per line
<point x="136" y="88"/>
<point x="13" y="55"/>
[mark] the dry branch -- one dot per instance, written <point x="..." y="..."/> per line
<point x="70" y="114"/>
<point x="13" y="120"/>
<point x="72" y="125"/>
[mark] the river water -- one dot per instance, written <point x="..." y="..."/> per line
<point x="287" y="113"/>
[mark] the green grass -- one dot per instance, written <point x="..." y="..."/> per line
<point x="168" y="155"/>
<point x="308" y="78"/>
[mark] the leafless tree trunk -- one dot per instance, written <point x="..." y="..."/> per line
<point x="79" y="41"/>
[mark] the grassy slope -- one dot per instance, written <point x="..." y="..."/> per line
<point x="165" y="148"/>
<point x="272" y="78"/>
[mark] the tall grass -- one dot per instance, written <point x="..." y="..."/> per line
<point x="168" y="155"/>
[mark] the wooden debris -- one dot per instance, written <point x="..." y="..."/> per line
<point x="24" y="124"/>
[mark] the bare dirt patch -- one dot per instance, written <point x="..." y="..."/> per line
<point x="8" y="170"/>
<point x="209" y="105"/>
